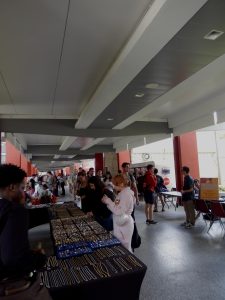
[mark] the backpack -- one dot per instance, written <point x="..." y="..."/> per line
<point x="136" y="239"/>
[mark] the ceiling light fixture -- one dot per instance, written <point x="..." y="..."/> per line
<point x="139" y="95"/>
<point x="213" y="35"/>
<point x="110" y="119"/>
<point x="152" y="85"/>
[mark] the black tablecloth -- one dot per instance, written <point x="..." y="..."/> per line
<point x="38" y="216"/>
<point x="125" y="286"/>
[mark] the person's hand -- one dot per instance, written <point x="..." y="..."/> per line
<point x="90" y="214"/>
<point x="104" y="199"/>
<point x="137" y="202"/>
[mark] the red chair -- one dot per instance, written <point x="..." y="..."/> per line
<point x="202" y="208"/>
<point x="217" y="213"/>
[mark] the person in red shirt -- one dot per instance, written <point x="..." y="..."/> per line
<point x="150" y="183"/>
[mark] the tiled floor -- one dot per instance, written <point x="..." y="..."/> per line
<point x="182" y="263"/>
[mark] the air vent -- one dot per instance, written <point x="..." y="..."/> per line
<point x="213" y="35"/>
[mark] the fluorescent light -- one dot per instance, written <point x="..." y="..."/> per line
<point x="213" y="35"/>
<point x="110" y="119"/>
<point x="215" y="117"/>
<point x="144" y="140"/>
<point x="152" y="85"/>
<point x="139" y="95"/>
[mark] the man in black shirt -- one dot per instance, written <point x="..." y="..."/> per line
<point x="188" y="197"/>
<point x="16" y="258"/>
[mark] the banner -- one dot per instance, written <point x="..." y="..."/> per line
<point x="209" y="189"/>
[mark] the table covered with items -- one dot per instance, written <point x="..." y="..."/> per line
<point x="89" y="262"/>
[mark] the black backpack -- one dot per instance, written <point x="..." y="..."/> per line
<point x="136" y="239"/>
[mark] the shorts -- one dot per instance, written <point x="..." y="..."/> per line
<point x="149" y="197"/>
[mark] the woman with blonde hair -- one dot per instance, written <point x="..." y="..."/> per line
<point x="123" y="223"/>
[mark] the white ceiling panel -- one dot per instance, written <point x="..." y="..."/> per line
<point x="96" y="32"/>
<point x="31" y="35"/>
<point x="38" y="139"/>
<point x="6" y="106"/>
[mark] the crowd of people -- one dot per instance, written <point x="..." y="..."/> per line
<point x="110" y="200"/>
<point x="45" y="188"/>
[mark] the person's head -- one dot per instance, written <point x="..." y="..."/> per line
<point x="91" y="172"/>
<point x="82" y="176"/>
<point x="119" y="172"/>
<point x="108" y="175"/>
<point x="185" y="170"/>
<point x="12" y="182"/>
<point x="45" y="187"/>
<point x="49" y="173"/>
<point x="150" y="168"/>
<point x="33" y="176"/>
<point x="155" y="171"/>
<point x="119" y="182"/>
<point x="39" y="182"/>
<point x="125" y="166"/>
<point x="95" y="183"/>
<point x="80" y="169"/>
<point x="99" y="173"/>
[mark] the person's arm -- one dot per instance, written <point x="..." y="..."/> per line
<point x="123" y="204"/>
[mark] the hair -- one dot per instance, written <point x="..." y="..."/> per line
<point x="45" y="186"/>
<point x="155" y="171"/>
<point x="185" y="169"/>
<point x="99" y="185"/>
<point x="82" y="173"/>
<point x="49" y="172"/>
<point x="107" y="173"/>
<point x="11" y="174"/>
<point x="119" y="172"/>
<point x="119" y="179"/>
<point x="125" y="164"/>
<point x="149" y="167"/>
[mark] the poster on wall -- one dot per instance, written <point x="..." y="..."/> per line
<point x="209" y="189"/>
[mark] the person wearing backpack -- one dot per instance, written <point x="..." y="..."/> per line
<point x="149" y="185"/>
<point x="159" y="187"/>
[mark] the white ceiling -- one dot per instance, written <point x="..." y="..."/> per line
<point x="70" y="60"/>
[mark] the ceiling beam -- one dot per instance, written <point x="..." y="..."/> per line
<point x="63" y="127"/>
<point x="54" y="150"/>
<point x="147" y="40"/>
<point x="61" y="159"/>
<point x="67" y="142"/>
<point x="92" y="143"/>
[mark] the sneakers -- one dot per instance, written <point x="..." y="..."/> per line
<point x="184" y="224"/>
<point x="155" y="210"/>
<point x="163" y="209"/>
<point x="189" y="225"/>
<point x="152" y="222"/>
<point x="148" y="222"/>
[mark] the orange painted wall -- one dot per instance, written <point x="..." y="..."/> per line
<point x="189" y="153"/>
<point x="186" y="154"/>
<point x="29" y="173"/>
<point x="23" y="163"/>
<point x="123" y="156"/>
<point x="12" y="154"/>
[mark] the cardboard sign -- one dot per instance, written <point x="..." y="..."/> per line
<point x="209" y="189"/>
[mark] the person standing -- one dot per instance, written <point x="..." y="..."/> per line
<point x="188" y="198"/>
<point x="122" y="208"/>
<point x="17" y="260"/>
<point x="150" y="183"/>
<point x="158" y="189"/>
<point x="130" y="180"/>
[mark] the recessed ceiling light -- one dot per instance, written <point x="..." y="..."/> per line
<point x="152" y="86"/>
<point x="139" y="95"/>
<point x="110" y="119"/>
<point x="213" y="35"/>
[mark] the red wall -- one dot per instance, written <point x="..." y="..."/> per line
<point x="99" y="162"/>
<point x="186" y="154"/>
<point x="12" y="154"/>
<point x="123" y="156"/>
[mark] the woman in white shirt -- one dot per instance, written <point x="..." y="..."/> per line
<point x="123" y="223"/>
